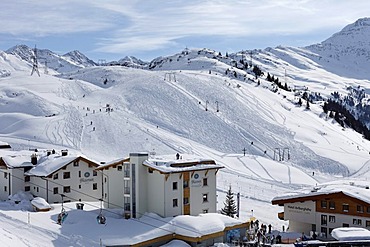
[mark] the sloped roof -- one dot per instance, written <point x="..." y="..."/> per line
<point x="356" y="189"/>
<point x="112" y="163"/>
<point x="47" y="165"/>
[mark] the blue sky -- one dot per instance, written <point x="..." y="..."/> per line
<point x="112" y="29"/>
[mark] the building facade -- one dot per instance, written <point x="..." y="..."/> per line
<point x="167" y="186"/>
<point x="327" y="207"/>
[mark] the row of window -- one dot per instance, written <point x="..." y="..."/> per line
<point x="345" y="206"/>
<point x="186" y="200"/>
<point x="67" y="189"/>
<point x="186" y="184"/>
<point x="356" y="222"/>
<point x="67" y="175"/>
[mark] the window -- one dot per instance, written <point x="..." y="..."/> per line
<point x="357" y="222"/>
<point x="186" y="200"/>
<point x="27" y="178"/>
<point x="368" y="223"/>
<point x="79" y="174"/>
<point x="79" y="186"/>
<point x="126" y="186"/>
<point x="368" y="210"/>
<point x="345" y="225"/>
<point x="324" y="231"/>
<point x="67" y="189"/>
<point x="75" y="163"/>
<point x="37" y="189"/>
<point x="5" y="188"/>
<point x="119" y="168"/>
<point x="324" y="220"/>
<point x="95" y="186"/>
<point x="205" y="182"/>
<point x="205" y="211"/>
<point x="175" y="203"/>
<point x="205" y="197"/>
<point x="174" y="186"/>
<point x="360" y="209"/>
<point x="95" y="173"/>
<point x="55" y="176"/>
<point x="345" y="207"/>
<point x="331" y="219"/>
<point x="27" y="188"/>
<point x="323" y="204"/>
<point x="126" y="203"/>
<point x="126" y="170"/>
<point x="185" y="184"/>
<point x="150" y="170"/>
<point x="55" y="190"/>
<point x="5" y="175"/>
<point x="332" y="205"/>
<point x="66" y="175"/>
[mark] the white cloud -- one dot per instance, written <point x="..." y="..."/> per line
<point x="133" y="25"/>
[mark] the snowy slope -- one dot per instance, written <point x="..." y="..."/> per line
<point x="108" y="112"/>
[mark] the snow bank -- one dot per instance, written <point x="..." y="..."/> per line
<point x="350" y="233"/>
<point x="40" y="204"/>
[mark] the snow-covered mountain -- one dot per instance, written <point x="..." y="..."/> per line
<point x="202" y="102"/>
<point x="129" y="61"/>
<point x="70" y="61"/>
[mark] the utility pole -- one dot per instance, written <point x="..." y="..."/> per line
<point x="35" y="66"/>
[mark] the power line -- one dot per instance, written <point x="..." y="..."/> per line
<point x="107" y="210"/>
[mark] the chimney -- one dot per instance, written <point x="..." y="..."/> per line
<point x="64" y="152"/>
<point x="53" y="151"/>
<point x="34" y="159"/>
<point x="48" y="152"/>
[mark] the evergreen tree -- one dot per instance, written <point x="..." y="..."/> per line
<point x="229" y="208"/>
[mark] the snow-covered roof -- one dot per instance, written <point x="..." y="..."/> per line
<point x="4" y="145"/>
<point x="186" y="162"/>
<point x="112" y="163"/>
<point x="40" y="203"/>
<point x="350" y="233"/>
<point x="356" y="189"/>
<point x="15" y="159"/>
<point x="49" y="164"/>
<point x="176" y="227"/>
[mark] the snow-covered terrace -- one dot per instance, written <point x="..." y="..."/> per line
<point x="169" y="163"/>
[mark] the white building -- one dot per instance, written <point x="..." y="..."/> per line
<point x="12" y="168"/>
<point x="326" y="207"/>
<point x="166" y="185"/>
<point x="64" y="177"/>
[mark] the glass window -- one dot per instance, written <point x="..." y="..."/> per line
<point x="331" y="219"/>
<point x="27" y="188"/>
<point x="55" y="190"/>
<point x="79" y="174"/>
<point x="324" y="231"/>
<point x="186" y="200"/>
<point x="324" y="220"/>
<point x="368" y="223"/>
<point x="5" y="175"/>
<point x="5" y="188"/>
<point x="174" y="186"/>
<point x="126" y="170"/>
<point x="75" y="163"/>
<point x="67" y="189"/>
<point x="205" y="182"/>
<point x="205" y="197"/>
<point x="126" y="203"/>
<point x="360" y="209"/>
<point x="174" y="203"/>
<point x="368" y="210"/>
<point x="345" y="207"/>
<point x="66" y="175"/>
<point x="186" y="184"/>
<point x="95" y="173"/>
<point x="119" y="168"/>
<point x="95" y="186"/>
<point x="332" y="205"/>
<point x="55" y="176"/>
<point x="359" y="222"/>
<point x="323" y="204"/>
<point x="27" y="178"/>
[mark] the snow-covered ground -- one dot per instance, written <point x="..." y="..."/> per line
<point x="108" y="112"/>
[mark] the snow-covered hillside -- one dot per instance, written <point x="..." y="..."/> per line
<point x="199" y="102"/>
